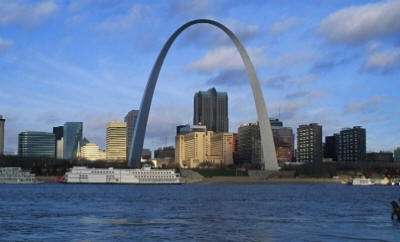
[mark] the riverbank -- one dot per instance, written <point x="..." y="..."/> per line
<point x="257" y="180"/>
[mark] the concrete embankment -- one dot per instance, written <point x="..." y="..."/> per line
<point x="251" y="180"/>
<point x="47" y="179"/>
<point x="190" y="176"/>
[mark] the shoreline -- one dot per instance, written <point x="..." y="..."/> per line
<point x="257" y="180"/>
<point x="235" y="180"/>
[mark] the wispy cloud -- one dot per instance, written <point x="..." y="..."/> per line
<point x="384" y="61"/>
<point x="225" y="58"/>
<point x="207" y="35"/>
<point x="126" y="20"/>
<point x="328" y="63"/>
<point x="25" y="14"/>
<point x="5" y="44"/>
<point x="281" y="27"/>
<point x="229" y="78"/>
<point x="367" y="106"/>
<point x="357" y="24"/>
<point x="190" y="9"/>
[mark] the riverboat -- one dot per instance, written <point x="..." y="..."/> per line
<point x="362" y="182"/>
<point x="145" y="175"/>
<point x="15" y="175"/>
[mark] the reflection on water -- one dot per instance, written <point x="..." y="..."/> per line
<point x="197" y="212"/>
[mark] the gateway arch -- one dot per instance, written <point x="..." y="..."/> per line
<point x="267" y="142"/>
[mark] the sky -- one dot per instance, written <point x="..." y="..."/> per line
<point x="336" y="63"/>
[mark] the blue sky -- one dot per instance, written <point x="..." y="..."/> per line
<point x="332" y="62"/>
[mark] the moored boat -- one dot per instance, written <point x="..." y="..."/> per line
<point x="145" y="175"/>
<point x="362" y="181"/>
<point x="15" y="175"/>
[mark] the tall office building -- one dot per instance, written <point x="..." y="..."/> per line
<point x="284" y="141"/>
<point x="116" y="141"/>
<point x="72" y="140"/>
<point x="331" y="147"/>
<point x="211" y="110"/>
<point x="396" y="155"/>
<point x="309" y="143"/>
<point x="2" y="121"/>
<point x="352" y="144"/>
<point x="59" y="134"/>
<point x="130" y="120"/>
<point x="36" y="144"/>
<point x="249" y="149"/>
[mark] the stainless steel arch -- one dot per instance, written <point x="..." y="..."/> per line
<point x="267" y="142"/>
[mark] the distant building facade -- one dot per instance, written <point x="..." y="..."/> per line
<point x="352" y="144"/>
<point x="59" y="134"/>
<point x="396" y="154"/>
<point x="191" y="148"/>
<point x="382" y="157"/>
<point x="211" y="110"/>
<point x="72" y="139"/>
<point x="92" y="152"/>
<point x="249" y="144"/>
<point x="116" y="141"/>
<point x="130" y="120"/>
<point x="309" y="143"/>
<point x="36" y="144"/>
<point x="221" y="149"/>
<point x="284" y="141"/>
<point x="2" y="122"/>
<point x="187" y="128"/>
<point x="146" y="155"/>
<point x="197" y="147"/>
<point x="331" y="147"/>
<point x="164" y="152"/>
<point x="164" y="157"/>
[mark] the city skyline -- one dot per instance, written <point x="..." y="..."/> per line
<point x="308" y="73"/>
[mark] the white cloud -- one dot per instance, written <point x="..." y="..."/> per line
<point x="225" y="58"/>
<point x="385" y="61"/>
<point x="5" y="44"/>
<point x="125" y="21"/>
<point x="25" y="14"/>
<point x="361" y="23"/>
<point x="279" y="28"/>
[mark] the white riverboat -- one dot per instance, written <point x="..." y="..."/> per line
<point x="145" y="175"/>
<point x="15" y="175"/>
<point x="362" y="182"/>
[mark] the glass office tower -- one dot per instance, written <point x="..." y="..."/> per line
<point x="36" y="144"/>
<point x="72" y="140"/>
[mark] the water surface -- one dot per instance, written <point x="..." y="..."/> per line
<point x="232" y="212"/>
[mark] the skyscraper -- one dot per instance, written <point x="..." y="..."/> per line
<point x="36" y="144"/>
<point x="249" y="149"/>
<point x="211" y="110"/>
<point x="352" y="144"/>
<point x="116" y="141"/>
<point x="309" y="143"/>
<point x="130" y="120"/>
<point x="59" y="134"/>
<point x="2" y="121"/>
<point x="72" y="140"/>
